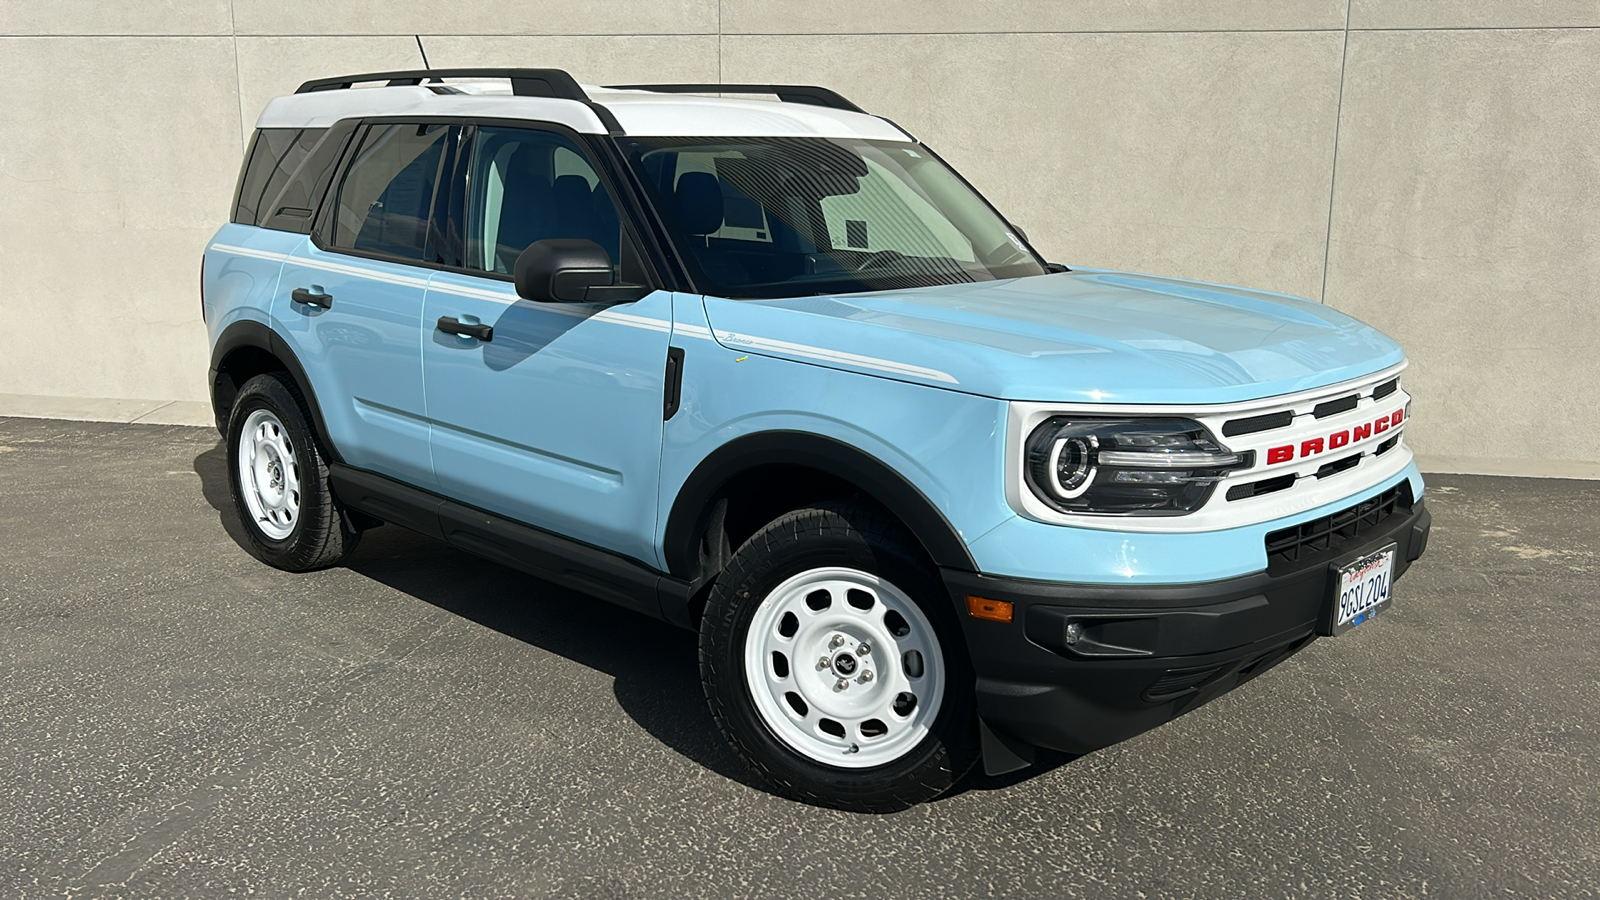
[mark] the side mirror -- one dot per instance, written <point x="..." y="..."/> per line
<point x="570" y="270"/>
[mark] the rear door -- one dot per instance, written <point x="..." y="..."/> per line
<point x="351" y="300"/>
<point x="554" y="419"/>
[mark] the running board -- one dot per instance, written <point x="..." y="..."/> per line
<point x="543" y="554"/>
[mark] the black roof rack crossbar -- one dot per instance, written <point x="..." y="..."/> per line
<point x="788" y="93"/>
<point x="554" y="83"/>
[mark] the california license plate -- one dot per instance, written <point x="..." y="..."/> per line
<point x="1361" y="591"/>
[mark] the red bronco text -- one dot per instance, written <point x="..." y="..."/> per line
<point x="1313" y="446"/>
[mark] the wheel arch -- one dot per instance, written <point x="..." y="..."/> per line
<point x="819" y="460"/>
<point x="249" y="348"/>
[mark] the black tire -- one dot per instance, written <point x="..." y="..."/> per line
<point x="318" y="538"/>
<point x="862" y="537"/>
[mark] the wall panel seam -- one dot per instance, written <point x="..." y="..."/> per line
<point x="1333" y="167"/>
<point x="810" y="34"/>
<point x="1465" y="28"/>
<point x="824" y="34"/>
<point x="238" y="77"/>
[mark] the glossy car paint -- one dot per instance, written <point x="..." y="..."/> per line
<point x="240" y="275"/>
<point x="949" y="445"/>
<point x="1079" y="337"/>
<point x="555" y="421"/>
<point x="362" y="356"/>
<point x="943" y="441"/>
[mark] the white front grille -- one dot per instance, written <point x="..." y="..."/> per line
<point x="1331" y="457"/>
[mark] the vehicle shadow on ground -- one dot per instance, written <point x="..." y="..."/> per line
<point x="653" y="665"/>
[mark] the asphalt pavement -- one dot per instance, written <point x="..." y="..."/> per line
<point x="179" y="720"/>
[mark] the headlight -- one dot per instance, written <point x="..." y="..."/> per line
<point x="1151" y="467"/>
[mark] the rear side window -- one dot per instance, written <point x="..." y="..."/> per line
<point x="274" y="157"/>
<point x="386" y="200"/>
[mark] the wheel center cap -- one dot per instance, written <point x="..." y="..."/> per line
<point x="844" y="664"/>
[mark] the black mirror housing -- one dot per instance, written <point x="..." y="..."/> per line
<point x="562" y="270"/>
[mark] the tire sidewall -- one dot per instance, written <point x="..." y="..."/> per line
<point x="268" y="392"/>
<point x="941" y="757"/>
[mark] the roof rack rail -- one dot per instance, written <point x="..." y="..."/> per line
<point x="554" y="83"/>
<point x="788" y="93"/>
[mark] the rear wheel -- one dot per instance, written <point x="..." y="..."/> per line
<point x="832" y="663"/>
<point x="279" y="479"/>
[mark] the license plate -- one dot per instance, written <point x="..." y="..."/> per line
<point x="1361" y="590"/>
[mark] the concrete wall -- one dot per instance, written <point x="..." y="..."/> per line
<point x="1432" y="167"/>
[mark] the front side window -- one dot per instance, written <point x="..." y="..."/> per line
<point x="386" y="200"/>
<point x="780" y="217"/>
<point x="526" y="185"/>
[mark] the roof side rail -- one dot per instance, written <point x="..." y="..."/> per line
<point x="554" y="83"/>
<point x="788" y="93"/>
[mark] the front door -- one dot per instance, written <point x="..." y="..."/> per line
<point x="554" y="419"/>
<point x="352" y="309"/>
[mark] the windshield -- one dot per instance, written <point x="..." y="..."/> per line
<point x="784" y="217"/>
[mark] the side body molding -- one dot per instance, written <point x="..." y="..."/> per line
<point x="691" y="509"/>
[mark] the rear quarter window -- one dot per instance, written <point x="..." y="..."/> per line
<point x="274" y="156"/>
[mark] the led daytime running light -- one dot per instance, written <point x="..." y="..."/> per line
<point x="1176" y="459"/>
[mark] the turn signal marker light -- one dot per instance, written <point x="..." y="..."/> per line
<point x="993" y="610"/>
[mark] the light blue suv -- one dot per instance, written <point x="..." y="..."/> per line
<point x="772" y="371"/>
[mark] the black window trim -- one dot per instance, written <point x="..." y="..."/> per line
<point x="601" y="153"/>
<point x="661" y="254"/>
<point x="238" y="188"/>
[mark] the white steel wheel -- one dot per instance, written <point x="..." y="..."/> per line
<point x="269" y="475"/>
<point x="844" y="668"/>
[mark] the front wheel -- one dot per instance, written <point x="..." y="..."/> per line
<point x="279" y="479"/>
<point x="833" y="664"/>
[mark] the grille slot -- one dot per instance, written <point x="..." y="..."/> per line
<point x="1339" y="465"/>
<point x="1267" y="660"/>
<point x="1253" y="424"/>
<point x="1330" y="534"/>
<point x="1333" y="407"/>
<point x="1385" y="389"/>
<point x="1386" y="446"/>
<point x="1178" y="682"/>
<point x="1264" y="486"/>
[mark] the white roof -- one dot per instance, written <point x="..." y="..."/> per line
<point x="641" y="113"/>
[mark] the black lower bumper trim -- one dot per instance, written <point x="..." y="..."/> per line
<point x="1081" y="667"/>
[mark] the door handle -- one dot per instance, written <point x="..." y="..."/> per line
<point x="301" y="295"/>
<point x="452" y="325"/>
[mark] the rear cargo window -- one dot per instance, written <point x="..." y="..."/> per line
<point x="274" y="156"/>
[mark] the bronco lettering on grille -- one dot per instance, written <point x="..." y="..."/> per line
<point x="1313" y="446"/>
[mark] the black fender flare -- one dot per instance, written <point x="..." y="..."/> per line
<point x="249" y="333"/>
<point x="691" y="507"/>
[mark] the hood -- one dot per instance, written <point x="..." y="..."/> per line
<point x="1086" y="336"/>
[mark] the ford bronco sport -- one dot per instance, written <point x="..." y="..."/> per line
<point x="773" y="371"/>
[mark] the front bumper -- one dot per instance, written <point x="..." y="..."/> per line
<point x="1149" y="653"/>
